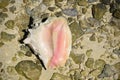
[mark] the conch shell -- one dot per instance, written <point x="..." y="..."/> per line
<point x="52" y="41"/>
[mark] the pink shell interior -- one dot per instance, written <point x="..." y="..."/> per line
<point x="52" y="40"/>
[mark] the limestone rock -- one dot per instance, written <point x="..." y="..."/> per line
<point x="29" y="69"/>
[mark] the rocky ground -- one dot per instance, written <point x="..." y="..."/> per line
<point x="95" y="27"/>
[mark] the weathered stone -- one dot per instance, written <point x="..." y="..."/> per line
<point x="3" y="16"/>
<point x="81" y="2"/>
<point x="4" y="10"/>
<point x="70" y="12"/>
<point x="6" y="36"/>
<point x="70" y="1"/>
<point x="58" y="14"/>
<point x="29" y="69"/>
<point x="77" y="58"/>
<point x="70" y="19"/>
<point x="51" y="8"/>
<point x="84" y="72"/>
<point x="100" y="39"/>
<point x="10" y="24"/>
<point x="117" y="1"/>
<point x="116" y="33"/>
<point x="58" y="76"/>
<point x="1" y="78"/>
<point x="28" y="53"/>
<point x="107" y="71"/>
<point x="117" y="66"/>
<point x="98" y="11"/>
<point x="56" y="1"/>
<point x="90" y="1"/>
<point x="118" y="77"/>
<point x="11" y="70"/>
<point x="107" y="2"/>
<point x="14" y="58"/>
<point x="24" y="48"/>
<point x="27" y="50"/>
<point x="99" y="63"/>
<point x="84" y="10"/>
<point x="89" y="63"/>
<point x="88" y="52"/>
<point x="95" y="72"/>
<point x="1" y="44"/>
<point x="12" y="1"/>
<point x="59" y="5"/>
<point x="116" y="13"/>
<point x="47" y="2"/>
<point x="22" y="22"/>
<point x="114" y="7"/>
<point x="20" y="53"/>
<point x="77" y="75"/>
<point x="112" y="23"/>
<point x="25" y="1"/>
<point x="92" y="37"/>
<point x="1" y="64"/>
<point x="76" y="30"/>
<point x="12" y="9"/>
<point x="4" y="3"/>
<point x="116" y="51"/>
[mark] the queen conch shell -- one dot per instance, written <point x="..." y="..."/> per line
<point x="51" y="40"/>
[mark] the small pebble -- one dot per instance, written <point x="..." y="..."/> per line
<point x="76" y="30"/>
<point x="24" y="48"/>
<point x="77" y="75"/>
<point x="84" y="10"/>
<point x="28" y="69"/>
<point x="107" y="71"/>
<point x="1" y="64"/>
<point x="117" y="51"/>
<point x="117" y="66"/>
<point x="91" y="1"/>
<point x="58" y="1"/>
<point x="88" y="52"/>
<point x="117" y="1"/>
<point x="1" y="44"/>
<point x="20" y="53"/>
<point x="10" y="24"/>
<point x="12" y="1"/>
<point x="81" y="2"/>
<point x="3" y="16"/>
<point x="4" y="3"/>
<point x="77" y="58"/>
<point x="99" y="63"/>
<point x="11" y="70"/>
<point x="6" y="36"/>
<point x="28" y="53"/>
<point x="51" y="8"/>
<point x="58" y="14"/>
<point x="70" y="12"/>
<point x="116" y="33"/>
<point x="106" y="2"/>
<point x="116" y="13"/>
<point x="12" y="9"/>
<point x="14" y="59"/>
<point x="89" y="63"/>
<point x="92" y="37"/>
<point x="58" y="76"/>
<point x="98" y="10"/>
